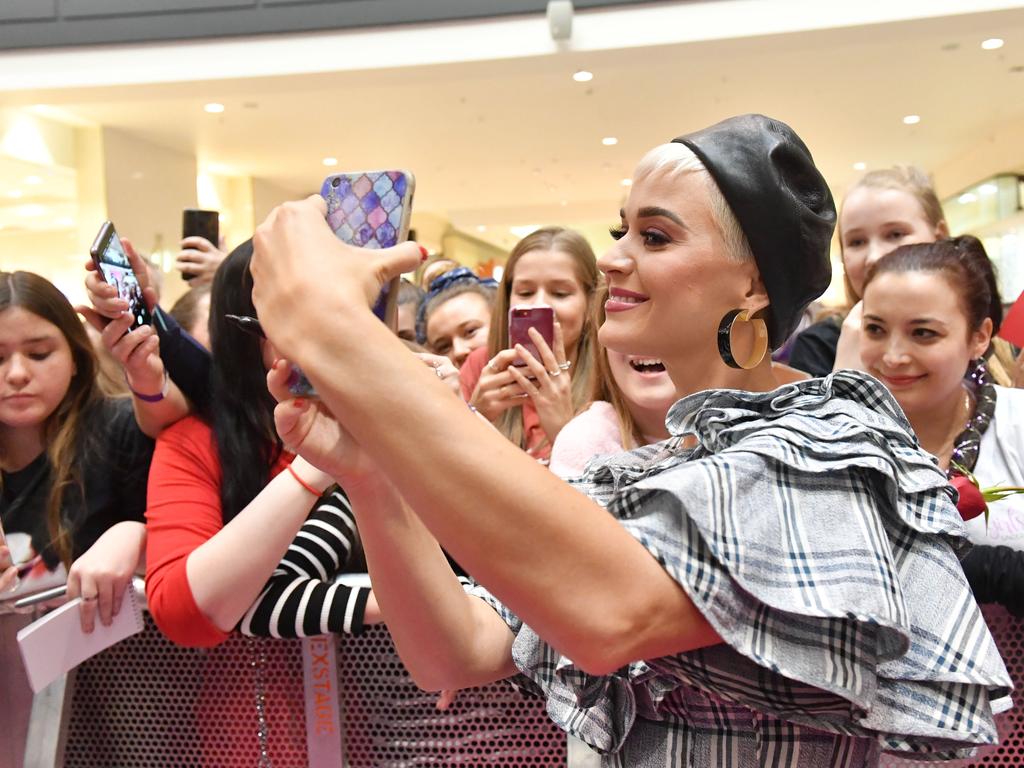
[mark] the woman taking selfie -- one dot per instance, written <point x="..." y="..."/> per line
<point x="74" y="462"/>
<point x="776" y="581"/>
<point x="529" y="405"/>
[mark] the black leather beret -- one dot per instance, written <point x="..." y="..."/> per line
<point x="783" y="205"/>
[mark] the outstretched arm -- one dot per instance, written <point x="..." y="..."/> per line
<point x="553" y="556"/>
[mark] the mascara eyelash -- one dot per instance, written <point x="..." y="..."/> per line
<point x="617" y="233"/>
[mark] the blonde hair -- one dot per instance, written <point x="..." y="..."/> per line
<point x="574" y="245"/>
<point x="676" y="160"/>
<point x="904" y="178"/>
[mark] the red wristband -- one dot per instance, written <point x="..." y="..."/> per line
<point x="303" y="483"/>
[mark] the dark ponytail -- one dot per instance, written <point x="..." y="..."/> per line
<point x="964" y="260"/>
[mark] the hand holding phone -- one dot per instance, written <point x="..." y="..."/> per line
<point x="201" y="253"/>
<point x="113" y="266"/>
<point x="521" y="318"/>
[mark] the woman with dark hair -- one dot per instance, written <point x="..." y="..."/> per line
<point x="232" y="541"/>
<point x="74" y="461"/>
<point x="930" y="314"/>
<point x="774" y="585"/>
<point x="556" y="267"/>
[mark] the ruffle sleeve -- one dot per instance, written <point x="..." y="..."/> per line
<point x="821" y="543"/>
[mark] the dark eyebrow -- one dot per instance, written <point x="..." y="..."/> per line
<point x="915" y="321"/>
<point x="37" y="339"/>
<point x="655" y="211"/>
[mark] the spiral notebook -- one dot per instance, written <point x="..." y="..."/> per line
<point x="56" y="643"/>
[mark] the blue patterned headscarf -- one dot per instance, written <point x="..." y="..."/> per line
<point x="445" y="283"/>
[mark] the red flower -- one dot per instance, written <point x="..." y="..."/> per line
<point x="971" y="503"/>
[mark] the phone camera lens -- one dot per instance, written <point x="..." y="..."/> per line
<point x="335" y="181"/>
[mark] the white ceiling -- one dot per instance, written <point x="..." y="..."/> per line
<point x="512" y="141"/>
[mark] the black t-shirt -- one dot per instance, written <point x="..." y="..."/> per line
<point x="112" y="471"/>
<point x="814" y="350"/>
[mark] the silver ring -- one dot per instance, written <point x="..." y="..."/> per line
<point x="89" y="599"/>
<point x="556" y="372"/>
<point x="565" y="366"/>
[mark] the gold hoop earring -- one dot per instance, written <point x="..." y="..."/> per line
<point x="725" y="329"/>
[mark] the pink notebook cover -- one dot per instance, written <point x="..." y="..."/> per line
<point x="56" y="643"/>
<point x="1012" y="328"/>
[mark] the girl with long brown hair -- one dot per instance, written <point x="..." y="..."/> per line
<point x="74" y="462"/>
<point x="556" y="267"/>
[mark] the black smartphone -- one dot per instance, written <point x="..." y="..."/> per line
<point x="196" y="222"/>
<point x="112" y="263"/>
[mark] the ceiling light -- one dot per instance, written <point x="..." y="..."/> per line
<point x="481" y="227"/>
<point x="992" y="44"/>
<point x="583" y="76"/>
<point x="609" y="141"/>
<point x="16" y="193"/>
<point x="967" y="198"/>
<point x="911" y="119"/>
<point x="330" y="162"/>
<point x="626" y="182"/>
<point x="859" y="166"/>
<point x="214" y="108"/>
<point x="988" y="189"/>
<point x="33" y="180"/>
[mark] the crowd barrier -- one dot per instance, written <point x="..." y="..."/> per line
<point x="146" y="702"/>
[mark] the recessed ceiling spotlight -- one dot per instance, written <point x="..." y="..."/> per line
<point x="859" y="166"/>
<point x="911" y="119"/>
<point x="988" y="189"/>
<point x="967" y="197"/>
<point x="626" y="182"/>
<point x="583" y="76"/>
<point x="481" y="227"/>
<point x="992" y="44"/>
<point x="609" y="141"/>
<point x="213" y="108"/>
<point x="330" y="162"/>
<point x="33" y="180"/>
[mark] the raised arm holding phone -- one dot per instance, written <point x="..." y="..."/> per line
<point x="690" y="580"/>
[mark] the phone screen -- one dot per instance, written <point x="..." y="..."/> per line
<point x="112" y="261"/>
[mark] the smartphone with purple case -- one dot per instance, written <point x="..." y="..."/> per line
<point x="368" y="209"/>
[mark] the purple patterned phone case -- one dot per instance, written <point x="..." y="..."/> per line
<point x="368" y="209"/>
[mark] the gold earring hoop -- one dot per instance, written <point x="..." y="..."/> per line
<point x="725" y="329"/>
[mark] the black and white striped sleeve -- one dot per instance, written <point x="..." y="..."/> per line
<point x="301" y="598"/>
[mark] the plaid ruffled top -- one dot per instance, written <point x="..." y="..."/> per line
<point x="821" y="543"/>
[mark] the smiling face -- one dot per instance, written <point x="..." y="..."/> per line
<point x="916" y="340"/>
<point x="670" y="281"/>
<point x="875" y="221"/>
<point x="458" y="326"/>
<point x="36" y="367"/>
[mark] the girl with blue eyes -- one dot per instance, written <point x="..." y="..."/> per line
<point x="74" y="462"/>
<point x="554" y="267"/>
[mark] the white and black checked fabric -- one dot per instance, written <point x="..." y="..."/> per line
<point x="821" y="543"/>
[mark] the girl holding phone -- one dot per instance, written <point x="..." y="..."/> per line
<point x="530" y="405"/>
<point x="74" y="461"/>
<point x="776" y="583"/>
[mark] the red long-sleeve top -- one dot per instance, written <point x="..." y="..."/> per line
<point x="183" y="511"/>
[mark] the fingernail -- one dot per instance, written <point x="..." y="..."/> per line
<point x="276" y="363"/>
<point x="300" y="402"/>
<point x="423" y="253"/>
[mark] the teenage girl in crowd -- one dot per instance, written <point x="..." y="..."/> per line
<point x="555" y="267"/>
<point x="454" y="317"/>
<point x="226" y="504"/>
<point x="930" y="312"/>
<point x="776" y="582"/>
<point x="885" y="209"/>
<point x="74" y="461"/>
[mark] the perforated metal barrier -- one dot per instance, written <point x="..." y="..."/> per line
<point x="1009" y="636"/>
<point x="146" y="702"/>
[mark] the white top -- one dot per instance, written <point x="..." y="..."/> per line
<point x="1001" y="462"/>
